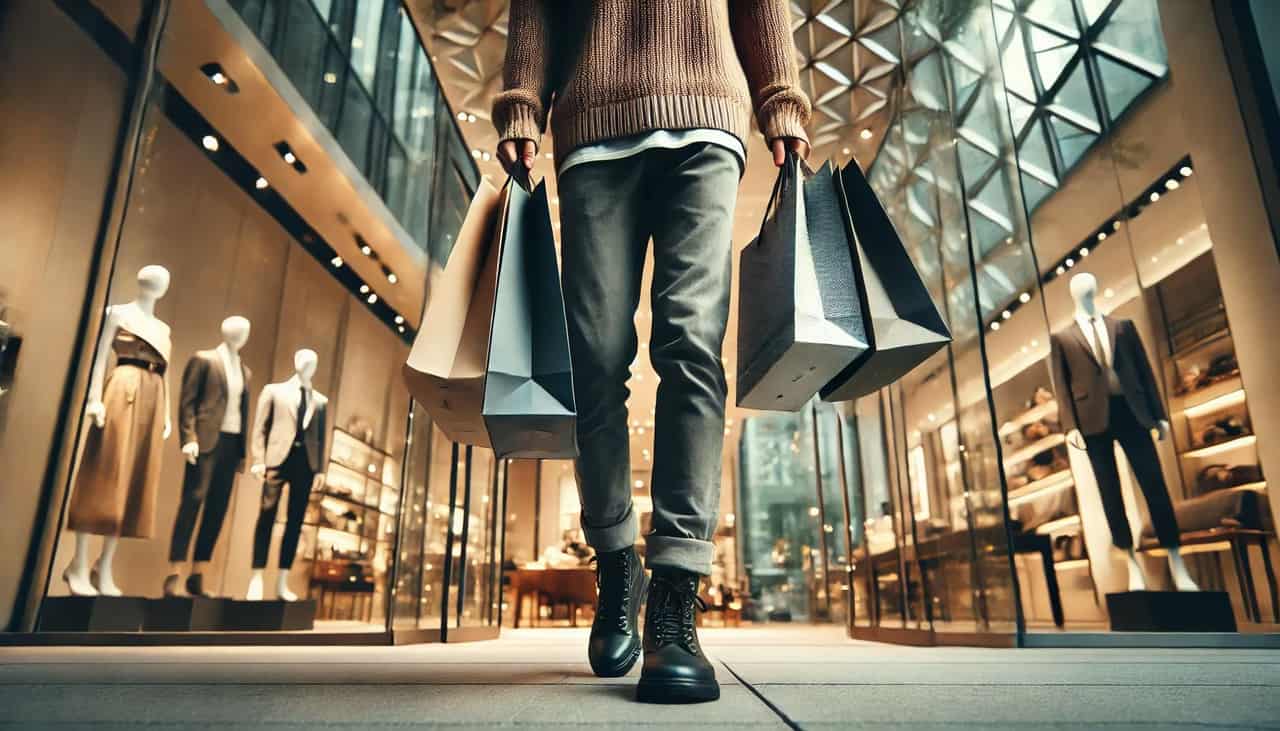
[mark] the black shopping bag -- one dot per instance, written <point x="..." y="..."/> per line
<point x="529" y="408"/>
<point x="903" y="324"/>
<point x="799" y="317"/>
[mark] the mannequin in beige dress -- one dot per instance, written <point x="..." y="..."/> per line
<point x="115" y="486"/>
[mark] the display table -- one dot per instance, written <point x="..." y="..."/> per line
<point x="573" y="587"/>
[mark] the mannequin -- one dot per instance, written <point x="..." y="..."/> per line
<point x="289" y="435"/>
<point x="1109" y="395"/>
<point x="128" y="412"/>
<point x="213" y="416"/>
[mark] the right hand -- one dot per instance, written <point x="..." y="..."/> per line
<point x="513" y="152"/>
<point x="97" y="412"/>
<point x="258" y="470"/>
<point x="192" y="450"/>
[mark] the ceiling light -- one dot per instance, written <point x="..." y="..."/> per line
<point x="260" y="183"/>
<point x="638" y="484"/>
<point x="399" y="319"/>
<point x="1024" y="298"/>
<point x="462" y="116"/>
<point x="471" y="117"/>
<point x="391" y="277"/>
<point x="1060" y="270"/>
<point x="1035" y="343"/>
<point x="290" y="158"/>
<point x="475" y="154"/>
<point x="216" y="74"/>
<point x="995" y="326"/>
<point x="366" y="249"/>
<point x="548" y="156"/>
<point x="1084" y="251"/>
<point x="485" y="156"/>
<point x="1070" y="263"/>
<point x="1171" y="184"/>
<point x="400" y="328"/>
<point x="1108" y="293"/>
<point x="364" y="289"/>
<point x="1154" y="196"/>
<point x="330" y="77"/>
<point x="218" y="78"/>
<point x="932" y="417"/>
<point x="1115" y="225"/>
<point x="210" y="143"/>
<point x="1180" y="241"/>
<point x="373" y="298"/>
<point x="1006" y="315"/>
<point x="1102" y="235"/>
<point x="336" y="262"/>
<point x="844" y="151"/>
<point x="286" y="153"/>
<point x="865" y="133"/>
<point x="1185" y="171"/>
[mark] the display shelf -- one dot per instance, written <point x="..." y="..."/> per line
<point x="1030" y="416"/>
<point x="1071" y="564"/>
<point x="1212" y="397"/>
<point x="1061" y="525"/>
<point x="1022" y="454"/>
<point x="1230" y="445"/>
<point x="339" y="431"/>
<point x="1200" y="343"/>
<point x="1056" y="481"/>
<point x="348" y="499"/>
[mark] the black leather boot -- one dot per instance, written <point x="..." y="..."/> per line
<point x="615" y="634"/>
<point x="675" y="670"/>
<point x="195" y="586"/>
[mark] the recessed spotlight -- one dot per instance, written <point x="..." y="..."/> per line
<point x="475" y="154"/>
<point x="336" y="262"/>
<point x="1172" y="184"/>
<point x="287" y="154"/>
<point x="638" y="484"/>
<point x="485" y="156"/>
<point x="471" y="117"/>
<point x="866" y="133"/>
<point x="1070" y="263"/>
<point x="462" y="116"/>
<point x="1084" y="251"/>
<point x="330" y="77"/>
<point x="1108" y="293"/>
<point x="844" y="151"/>
<point x="364" y="289"/>
<point x="1115" y="225"/>
<point x="1024" y="298"/>
<point x="1060" y="271"/>
<point x="1154" y="196"/>
<point x="210" y="143"/>
<point x="1102" y="235"/>
<point x="290" y="158"/>
<point x="932" y="417"/>
<point x="215" y="73"/>
<point x="399" y="319"/>
<point x="995" y="326"/>
<point x="373" y="298"/>
<point x="1180" y="241"/>
<point x="1035" y="343"/>
<point x="261" y="183"/>
<point x="1185" y="171"/>
<point x="391" y="277"/>
<point x="366" y="250"/>
<point x="218" y="78"/>
<point x="400" y="328"/>
<point x="1006" y="315"/>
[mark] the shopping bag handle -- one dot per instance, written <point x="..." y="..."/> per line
<point x="522" y="176"/>
<point x="786" y="169"/>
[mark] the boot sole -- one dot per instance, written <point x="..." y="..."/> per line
<point x="677" y="691"/>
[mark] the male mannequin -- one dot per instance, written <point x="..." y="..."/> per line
<point x="213" y="414"/>
<point x="289" y="436"/>
<point x="128" y="411"/>
<point x="1108" y="392"/>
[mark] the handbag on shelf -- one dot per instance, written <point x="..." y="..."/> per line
<point x="799" y="319"/>
<point x="903" y="326"/>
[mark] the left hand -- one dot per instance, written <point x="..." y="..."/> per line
<point x="780" y="145"/>
<point x="1162" y="429"/>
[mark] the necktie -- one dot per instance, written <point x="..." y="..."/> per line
<point x="1100" y="332"/>
<point x="302" y="410"/>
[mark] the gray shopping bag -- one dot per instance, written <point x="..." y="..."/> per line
<point x="529" y="408"/>
<point x="799" y="318"/>
<point x="903" y="324"/>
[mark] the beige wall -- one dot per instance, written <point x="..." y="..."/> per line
<point x="63" y="101"/>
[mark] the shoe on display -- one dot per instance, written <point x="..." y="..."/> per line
<point x="171" y="585"/>
<point x="103" y="582"/>
<point x="614" y="646"/>
<point x="675" y="669"/>
<point x="195" y="586"/>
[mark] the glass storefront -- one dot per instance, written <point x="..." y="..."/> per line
<point x="202" y="388"/>
<point x="1041" y="164"/>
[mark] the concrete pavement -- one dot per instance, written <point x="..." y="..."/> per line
<point x="785" y="677"/>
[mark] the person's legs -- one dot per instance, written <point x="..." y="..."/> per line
<point x="695" y="191"/>
<point x="272" y="487"/>
<point x="1141" y="451"/>
<point x="299" y="475"/>
<point x="195" y="488"/>
<point x="603" y="242"/>
<point x="1102" y="456"/>
<point x="217" y="498"/>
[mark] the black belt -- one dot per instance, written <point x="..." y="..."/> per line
<point x="142" y="363"/>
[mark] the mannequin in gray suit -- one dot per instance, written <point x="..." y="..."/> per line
<point x="288" y="442"/>
<point x="1107" y="390"/>
<point x="213" y="416"/>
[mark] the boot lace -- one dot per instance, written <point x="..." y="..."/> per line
<point x="673" y="614"/>
<point x="613" y="589"/>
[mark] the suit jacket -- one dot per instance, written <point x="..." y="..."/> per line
<point x="275" y="426"/>
<point x="204" y="401"/>
<point x="1083" y="396"/>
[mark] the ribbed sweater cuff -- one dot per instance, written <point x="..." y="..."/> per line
<point x="784" y="119"/>
<point x="520" y="122"/>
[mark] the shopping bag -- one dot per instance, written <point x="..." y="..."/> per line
<point x="445" y="371"/>
<point x="529" y="408"/>
<point x="799" y="319"/>
<point x="902" y="323"/>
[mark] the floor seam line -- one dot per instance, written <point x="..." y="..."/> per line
<point x="768" y="703"/>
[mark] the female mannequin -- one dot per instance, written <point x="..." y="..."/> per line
<point x="128" y="410"/>
<point x="1109" y="395"/>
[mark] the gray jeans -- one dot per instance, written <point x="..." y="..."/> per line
<point x="683" y="199"/>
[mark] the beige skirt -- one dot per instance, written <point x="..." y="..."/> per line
<point x="115" y="489"/>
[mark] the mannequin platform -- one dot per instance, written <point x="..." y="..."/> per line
<point x="92" y="614"/>
<point x="1171" y="611"/>
<point x="268" y="615"/>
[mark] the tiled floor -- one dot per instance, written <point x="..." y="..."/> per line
<point x="772" y="677"/>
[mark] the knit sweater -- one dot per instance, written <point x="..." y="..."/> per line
<point x="613" y="68"/>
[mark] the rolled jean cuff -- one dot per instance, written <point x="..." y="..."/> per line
<point x="687" y="554"/>
<point x="614" y="537"/>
